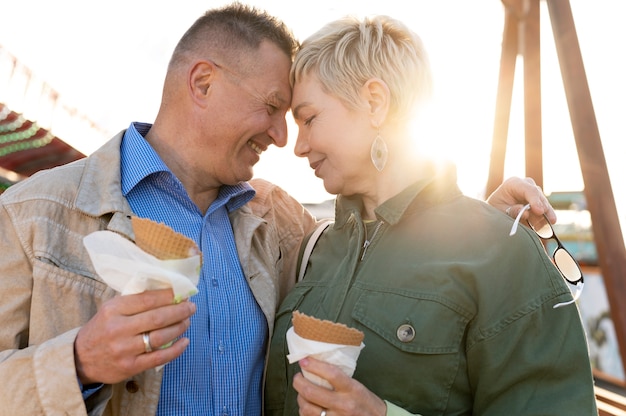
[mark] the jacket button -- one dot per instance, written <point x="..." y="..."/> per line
<point x="132" y="386"/>
<point x="405" y="333"/>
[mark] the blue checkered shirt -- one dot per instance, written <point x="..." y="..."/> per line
<point x="221" y="371"/>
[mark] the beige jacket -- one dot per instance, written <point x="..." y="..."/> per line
<point x="48" y="287"/>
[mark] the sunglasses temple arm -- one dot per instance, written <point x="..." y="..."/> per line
<point x="579" y="290"/>
<point x="518" y="218"/>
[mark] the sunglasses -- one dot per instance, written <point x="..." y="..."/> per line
<point x="563" y="260"/>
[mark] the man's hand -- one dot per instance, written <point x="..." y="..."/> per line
<point x="110" y="347"/>
<point x="514" y="193"/>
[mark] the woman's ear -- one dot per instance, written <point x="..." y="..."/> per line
<point x="377" y="95"/>
<point x="201" y="76"/>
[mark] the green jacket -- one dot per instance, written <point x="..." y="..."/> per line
<point x="458" y="316"/>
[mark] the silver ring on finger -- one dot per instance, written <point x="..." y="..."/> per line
<point x="146" y="342"/>
<point x="508" y="211"/>
<point x="323" y="413"/>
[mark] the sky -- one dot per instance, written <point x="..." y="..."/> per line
<point x="107" y="60"/>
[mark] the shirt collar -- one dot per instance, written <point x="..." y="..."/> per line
<point x="139" y="160"/>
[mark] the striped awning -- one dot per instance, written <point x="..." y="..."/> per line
<point x="26" y="148"/>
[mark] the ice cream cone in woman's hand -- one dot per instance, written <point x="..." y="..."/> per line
<point x="324" y="340"/>
<point x="315" y="329"/>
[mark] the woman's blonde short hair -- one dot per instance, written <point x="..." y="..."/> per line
<point x="345" y="53"/>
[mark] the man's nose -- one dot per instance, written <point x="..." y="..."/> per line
<point x="278" y="131"/>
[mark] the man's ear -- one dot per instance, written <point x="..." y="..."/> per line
<point x="377" y="94"/>
<point x="201" y="76"/>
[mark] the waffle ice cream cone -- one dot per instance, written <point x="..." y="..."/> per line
<point x="315" y="329"/>
<point x="161" y="241"/>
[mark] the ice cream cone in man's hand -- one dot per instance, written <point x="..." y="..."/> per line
<point x="324" y="340"/>
<point x="161" y="241"/>
<point x="159" y="258"/>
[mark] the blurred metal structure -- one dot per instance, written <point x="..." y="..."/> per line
<point x="521" y="37"/>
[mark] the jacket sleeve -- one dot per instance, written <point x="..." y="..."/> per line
<point x="393" y="410"/>
<point x="293" y="223"/>
<point x="530" y="359"/>
<point x="36" y="379"/>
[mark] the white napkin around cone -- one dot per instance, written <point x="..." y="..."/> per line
<point x="343" y="356"/>
<point x="128" y="269"/>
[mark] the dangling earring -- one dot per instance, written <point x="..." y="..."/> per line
<point x="379" y="152"/>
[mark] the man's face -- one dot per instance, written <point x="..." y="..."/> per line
<point x="247" y="115"/>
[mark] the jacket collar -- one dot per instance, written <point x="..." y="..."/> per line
<point x="420" y="195"/>
<point x="100" y="190"/>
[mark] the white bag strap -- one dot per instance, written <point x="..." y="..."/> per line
<point x="310" y="245"/>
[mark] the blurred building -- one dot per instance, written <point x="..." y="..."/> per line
<point x="26" y="148"/>
<point x="33" y="119"/>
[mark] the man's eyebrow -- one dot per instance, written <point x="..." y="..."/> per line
<point x="275" y="98"/>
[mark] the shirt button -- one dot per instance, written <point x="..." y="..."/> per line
<point x="221" y="347"/>
<point x="224" y="411"/>
<point x="132" y="386"/>
<point x="214" y="282"/>
<point x="405" y="333"/>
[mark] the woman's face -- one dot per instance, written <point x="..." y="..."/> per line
<point x="336" y="139"/>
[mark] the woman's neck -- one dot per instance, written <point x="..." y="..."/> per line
<point x="394" y="178"/>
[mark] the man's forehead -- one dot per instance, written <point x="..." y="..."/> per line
<point x="267" y="72"/>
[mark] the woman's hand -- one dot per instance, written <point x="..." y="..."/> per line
<point x="514" y="193"/>
<point x="349" y="397"/>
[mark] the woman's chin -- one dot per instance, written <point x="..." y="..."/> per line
<point x="331" y="188"/>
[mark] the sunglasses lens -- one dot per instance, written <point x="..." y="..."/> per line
<point x="542" y="228"/>
<point x="567" y="265"/>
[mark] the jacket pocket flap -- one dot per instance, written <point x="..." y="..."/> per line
<point x="411" y="323"/>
